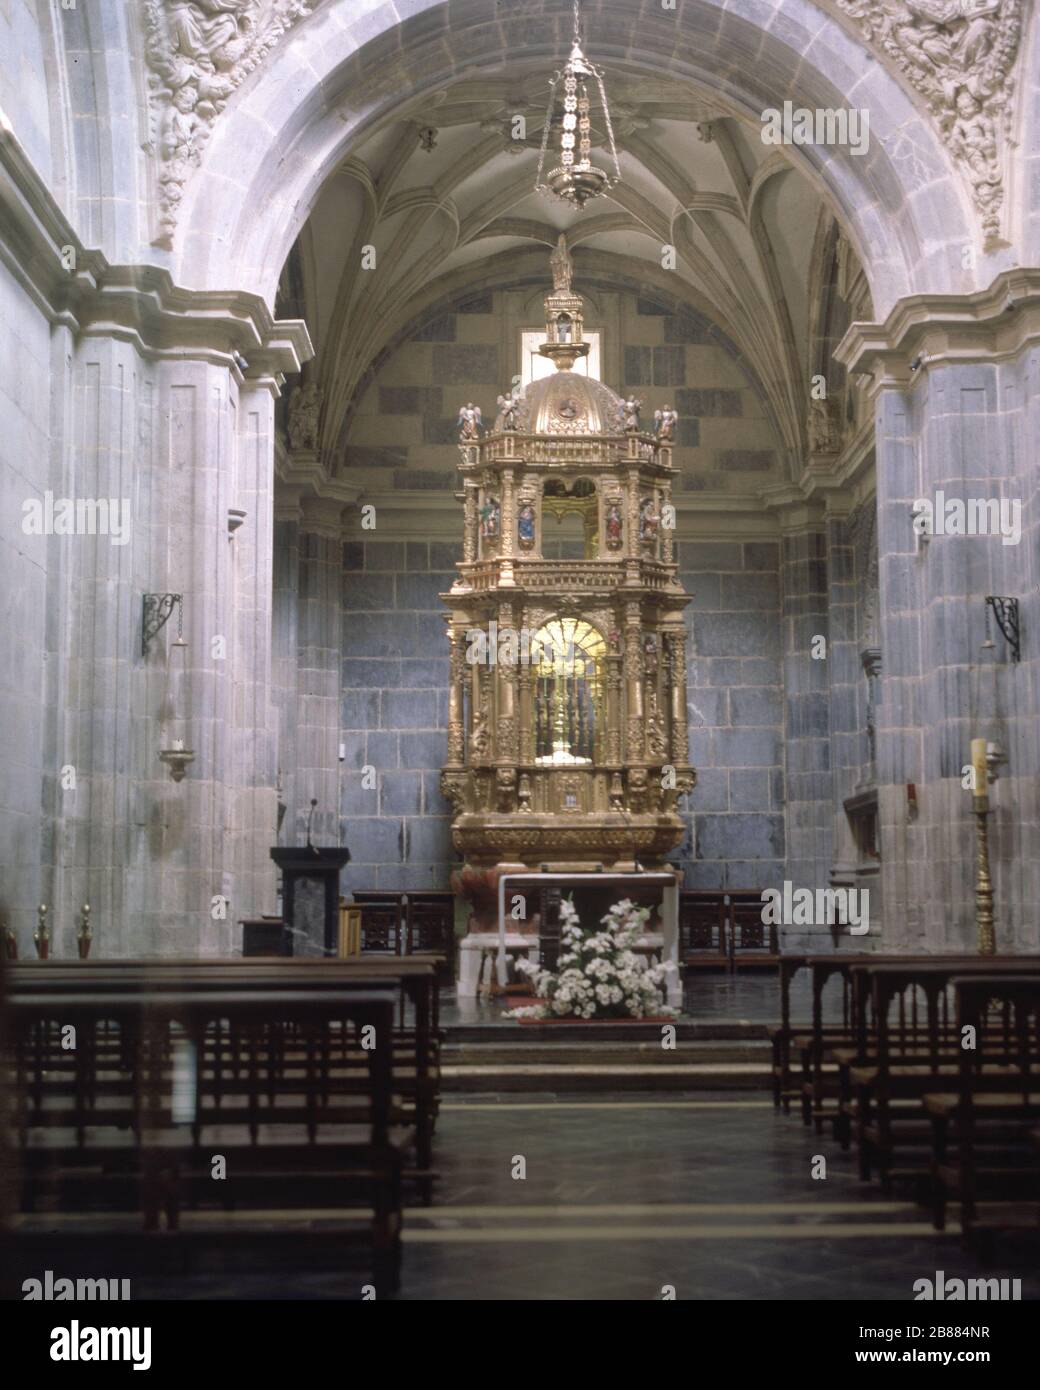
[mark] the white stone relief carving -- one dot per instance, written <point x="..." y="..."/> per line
<point x="825" y="426"/>
<point x="198" y="52"/>
<point x="304" y="408"/>
<point x="959" y="55"/>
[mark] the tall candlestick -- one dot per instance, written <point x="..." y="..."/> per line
<point x="978" y="763"/>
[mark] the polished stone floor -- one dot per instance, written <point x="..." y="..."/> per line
<point x="708" y="1194"/>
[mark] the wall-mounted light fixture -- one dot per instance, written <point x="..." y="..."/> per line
<point x="156" y="614"/>
<point x="177" y="759"/>
<point x="1005" y="610"/>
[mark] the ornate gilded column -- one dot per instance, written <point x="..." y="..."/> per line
<point x="634" y="742"/>
<point x="507" y="541"/>
<point x="614" y="660"/>
<point x="676" y="646"/>
<point x="456" y="733"/>
<point x="526" y="713"/>
<point x="469" y="523"/>
<point x="505" y="702"/>
<point x="632" y="527"/>
<point x="667" y="532"/>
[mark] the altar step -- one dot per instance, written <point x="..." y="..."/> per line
<point x="524" y="1065"/>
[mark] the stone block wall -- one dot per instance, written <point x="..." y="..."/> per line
<point x="404" y="434"/>
<point x="735" y="817"/>
<point x="394" y="713"/>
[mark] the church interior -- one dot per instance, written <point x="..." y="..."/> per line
<point x="519" y="565"/>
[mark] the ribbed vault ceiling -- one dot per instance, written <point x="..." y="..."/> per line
<point x="742" y="219"/>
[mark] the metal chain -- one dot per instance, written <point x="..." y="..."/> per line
<point x="545" y="131"/>
<point x="610" y="126"/>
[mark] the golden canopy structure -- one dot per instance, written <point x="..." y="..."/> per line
<point x="567" y="736"/>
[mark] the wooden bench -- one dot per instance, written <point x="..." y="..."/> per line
<point x="892" y="1065"/>
<point x="129" y="1127"/>
<point x="988" y="1115"/>
<point x="416" y="1043"/>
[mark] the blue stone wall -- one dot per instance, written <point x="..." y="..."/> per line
<point x="394" y="712"/>
<point x="735" y="836"/>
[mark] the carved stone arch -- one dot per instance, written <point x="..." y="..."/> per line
<point x="276" y="143"/>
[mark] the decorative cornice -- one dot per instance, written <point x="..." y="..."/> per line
<point x="198" y="52"/>
<point x="926" y="329"/>
<point x="322" y="516"/>
<point x="959" y="56"/>
<point x="78" y="287"/>
<point x="302" y="474"/>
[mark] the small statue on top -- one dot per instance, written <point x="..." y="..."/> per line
<point x="507" y="409"/>
<point x="562" y="267"/>
<point x="666" y="421"/>
<point x="469" y="422"/>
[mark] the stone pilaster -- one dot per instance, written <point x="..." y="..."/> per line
<point x="955" y="385"/>
<point x="169" y="415"/>
<point x="319" y="656"/>
<point x="285" y="638"/>
<point x="806" y="638"/>
<point x="254" y="712"/>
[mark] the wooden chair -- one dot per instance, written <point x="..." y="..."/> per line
<point x="430" y="929"/>
<point x="703" y="940"/>
<point x="382" y="923"/>
<point x="753" y="944"/>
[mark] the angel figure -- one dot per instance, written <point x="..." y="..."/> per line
<point x="507" y="409"/>
<point x="632" y="408"/>
<point x="665" y="420"/>
<point x="469" y="422"/>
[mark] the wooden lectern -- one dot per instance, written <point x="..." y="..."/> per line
<point x="310" y="895"/>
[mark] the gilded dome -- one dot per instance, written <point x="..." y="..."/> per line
<point x="567" y="403"/>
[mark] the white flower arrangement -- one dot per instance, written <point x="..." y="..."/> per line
<point x="598" y="974"/>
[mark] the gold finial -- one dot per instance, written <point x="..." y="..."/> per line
<point x="84" y="936"/>
<point x="41" y="936"/>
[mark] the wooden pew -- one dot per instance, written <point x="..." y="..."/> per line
<point x="820" y="1073"/>
<point x="278" y="1120"/>
<point x="416" y="1047"/>
<point x="892" y="1066"/>
<point x="830" y="1050"/>
<point x="989" y="1114"/>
